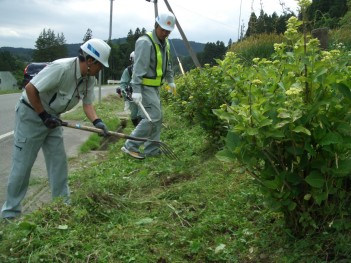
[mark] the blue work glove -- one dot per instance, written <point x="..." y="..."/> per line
<point x="49" y="120"/>
<point x="98" y="123"/>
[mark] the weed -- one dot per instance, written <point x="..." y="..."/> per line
<point x="197" y="209"/>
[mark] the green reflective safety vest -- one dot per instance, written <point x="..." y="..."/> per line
<point x="157" y="80"/>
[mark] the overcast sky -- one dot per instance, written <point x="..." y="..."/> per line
<point x="21" y="21"/>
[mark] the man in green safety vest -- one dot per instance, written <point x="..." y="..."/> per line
<point x="152" y="65"/>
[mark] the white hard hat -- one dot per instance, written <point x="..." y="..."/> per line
<point x="131" y="56"/>
<point x="97" y="49"/>
<point x="166" y="20"/>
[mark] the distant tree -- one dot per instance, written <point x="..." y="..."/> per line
<point x="261" y="23"/>
<point x="251" y="29"/>
<point x="130" y="37"/>
<point x="280" y="25"/>
<point x="230" y="42"/>
<point x="88" y="35"/>
<point x="211" y="52"/>
<point x="267" y="24"/>
<point x="7" y="61"/>
<point x="49" y="46"/>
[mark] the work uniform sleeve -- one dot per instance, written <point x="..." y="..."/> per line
<point x="48" y="78"/>
<point x="142" y="61"/>
<point x="125" y="79"/>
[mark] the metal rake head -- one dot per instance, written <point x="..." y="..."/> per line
<point x="166" y="150"/>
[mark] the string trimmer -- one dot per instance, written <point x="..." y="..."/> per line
<point x="163" y="147"/>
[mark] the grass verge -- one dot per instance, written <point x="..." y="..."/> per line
<point x="197" y="209"/>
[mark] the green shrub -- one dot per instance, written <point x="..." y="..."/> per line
<point x="340" y="38"/>
<point x="256" y="46"/>
<point x="198" y="93"/>
<point x="290" y="126"/>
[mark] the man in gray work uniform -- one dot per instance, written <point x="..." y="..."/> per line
<point x="152" y="65"/>
<point x="127" y="90"/>
<point x="54" y="90"/>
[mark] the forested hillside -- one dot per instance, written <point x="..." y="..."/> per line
<point x="72" y="49"/>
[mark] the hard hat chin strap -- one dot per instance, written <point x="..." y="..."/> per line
<point x="86" y="57"/>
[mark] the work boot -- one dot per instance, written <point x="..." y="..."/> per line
<point x="136" y="155"/>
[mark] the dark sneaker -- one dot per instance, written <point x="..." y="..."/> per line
<point x="135" y="155"/>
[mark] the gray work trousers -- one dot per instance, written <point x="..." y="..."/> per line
<point x="29" y="136"/>
<point x="152" y="104"/>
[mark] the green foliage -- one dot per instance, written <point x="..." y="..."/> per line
<point x="345" y="21"/>
<point x="9" y="62"/>
<point x="256" y="46"/>
<point x="49" y="46"/>
<point x="212" y="51"/>
<point x="197" y="209"/>
<point x="267" y="24"/>
<point x="88" y="35"/>
<point x="290" y="127"/>
<point x="198" y="92"/>
<point x="340" y="38"/>
<point x="325" y="13"/>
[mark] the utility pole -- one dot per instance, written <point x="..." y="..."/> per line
<point x="110" y="33"/>
<point x="156" y="10"/>
<point x="155" y="6"/>
<point x="109" y="39"/>
<point x="190" y="50"/>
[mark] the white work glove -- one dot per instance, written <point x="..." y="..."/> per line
<point x="136" y="97"/>
<point x="172" y="87"/>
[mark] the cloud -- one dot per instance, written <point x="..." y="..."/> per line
<point x="202" y="21"/>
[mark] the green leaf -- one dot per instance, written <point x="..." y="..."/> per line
<point x="344" y="168"/>
<point x="293" y="178"/>
<point x="226" y="156"/>
<point x="27" y="225"/>
<point x="300" y="129"/>
<point x="281" y="124"/>
<point x="320" y="197"/>
<point x="320" y="72"/>
<point x="331" y="138"/>
<point x="265" y="122"/>
<point x="252" y="131"/>
<point x="292" y="206"/>
<point x="275" y="134"/>
<point x="345" y="90"/>
<point x="284" y="115"/>
<point x="307" y="197"/>
<point x="232" y="139"/>
<point x="144" y="221"/>
<point x="219" y="248"/>
<point x="272" y="184"/>
<point x="315" y="179"/>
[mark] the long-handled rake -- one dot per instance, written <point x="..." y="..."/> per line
<point x="164" y="148"/>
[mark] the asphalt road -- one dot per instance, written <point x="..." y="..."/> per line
<point x="38" y="191"/>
